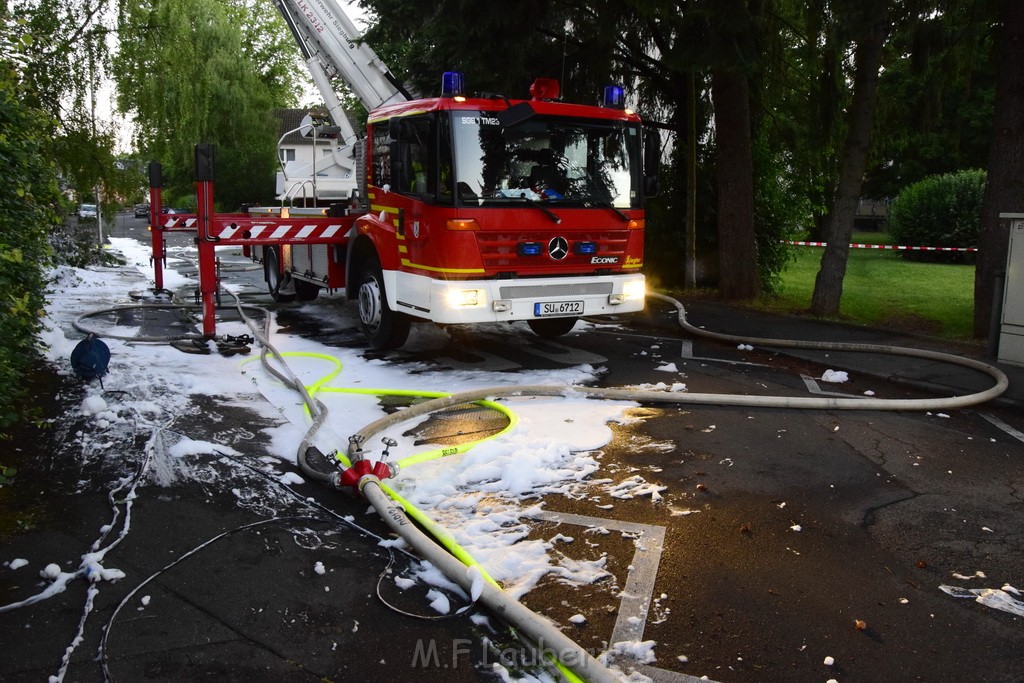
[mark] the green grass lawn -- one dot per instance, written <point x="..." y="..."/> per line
<point x="882" y="289"/>
<point x="871" y="238"/>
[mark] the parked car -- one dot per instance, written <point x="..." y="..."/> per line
<point x="86" y="212"/>
<point x="142" y="210"/>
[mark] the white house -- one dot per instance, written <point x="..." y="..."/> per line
<point x="311" y="166"/>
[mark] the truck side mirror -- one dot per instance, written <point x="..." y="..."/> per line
<point x="513" y="116"/>
<point x="652" y="161"/>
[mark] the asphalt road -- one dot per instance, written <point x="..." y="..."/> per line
<point x="782" y="539"/>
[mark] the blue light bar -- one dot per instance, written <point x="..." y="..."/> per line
<point x="586" y="248"/>
<point x="453" y="83"/>
<point x="614" y="97"/>
<point x="528" y="248"/>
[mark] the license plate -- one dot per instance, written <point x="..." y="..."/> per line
<point x="558" y="308"/>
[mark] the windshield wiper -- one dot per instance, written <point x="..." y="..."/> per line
<point x="547" y="212"/>
<point x="608" y="205"/>
<point x="519" y="201"/>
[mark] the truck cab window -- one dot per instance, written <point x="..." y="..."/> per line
<point x="413" y="147"/>
<point x="547" y="159"/>
<point x="380" y="154"/>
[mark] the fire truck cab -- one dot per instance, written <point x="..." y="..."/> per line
<point x="484" y="210"/>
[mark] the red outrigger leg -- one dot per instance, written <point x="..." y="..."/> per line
<point x="156" y="190"/>
<point x="207" y="242"/>
<point x="200" y="224"/>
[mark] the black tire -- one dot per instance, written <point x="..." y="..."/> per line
<point x="274" y="277"/>
<point x="384" y="328"/>
<point x="305" y="291"/>
<point x="549" y="328"/>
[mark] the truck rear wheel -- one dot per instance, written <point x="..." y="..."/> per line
<point x="549" y="328"/>
<point x="272" y="274"/>
<point x="386" y="329"/>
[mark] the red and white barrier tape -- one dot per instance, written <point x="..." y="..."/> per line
<point x="881" y="246"/>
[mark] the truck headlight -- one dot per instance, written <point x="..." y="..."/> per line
<point x="631" y="291"/>
<point x="634" y="289"/>
<point x="465" y="298"/>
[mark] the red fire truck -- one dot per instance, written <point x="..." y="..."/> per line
<point x="463" y="209"/>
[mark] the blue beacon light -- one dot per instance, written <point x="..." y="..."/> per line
<point x="453" y="84"/>
<point x="614" y="97"/>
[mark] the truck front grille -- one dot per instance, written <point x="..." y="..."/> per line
<point x="568" y="289"/>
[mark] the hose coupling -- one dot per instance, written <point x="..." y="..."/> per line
<point x="355" y="446"/>
<point x="353" y="477"/>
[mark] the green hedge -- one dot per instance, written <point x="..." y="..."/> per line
<point x="939" y="211"/>
<point x="28" y="207"/>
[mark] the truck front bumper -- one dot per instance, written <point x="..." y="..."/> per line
<point x="476" y="301"/>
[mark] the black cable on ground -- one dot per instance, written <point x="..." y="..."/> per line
<point x="390" y="548"/>
<point x="102" y="655"/>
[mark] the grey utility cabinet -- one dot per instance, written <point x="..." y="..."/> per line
<point x="1011" y="336"/>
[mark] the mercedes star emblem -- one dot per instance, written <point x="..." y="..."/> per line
<point x="558" y="248"/>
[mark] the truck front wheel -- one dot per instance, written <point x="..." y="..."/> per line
<point x="386" y="329"/>
<point x="549" y="328"/>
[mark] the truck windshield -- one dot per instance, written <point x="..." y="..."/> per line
<point x="555" y="160"/>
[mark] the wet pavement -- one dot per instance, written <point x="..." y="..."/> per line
<point x="775" y="541"/>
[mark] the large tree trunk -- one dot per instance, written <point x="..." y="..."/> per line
<point x="690" y="270"/>
<point x="737" y="249"/>
<point x="828" y="286"/>
<point x="1004" y="191"/>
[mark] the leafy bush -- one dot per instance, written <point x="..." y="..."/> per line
<point x="939" y="211"/>
<point x="779" y="210"/>
<point x="27" y="213"/>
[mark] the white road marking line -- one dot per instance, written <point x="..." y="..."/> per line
<point x="1017" y="434"/>
<point x="639" y="589"/>
<point x="812" y="387"/>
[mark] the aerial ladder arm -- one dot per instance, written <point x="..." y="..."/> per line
<point x="321" y="80"/>
<point x="333" y="47"/>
